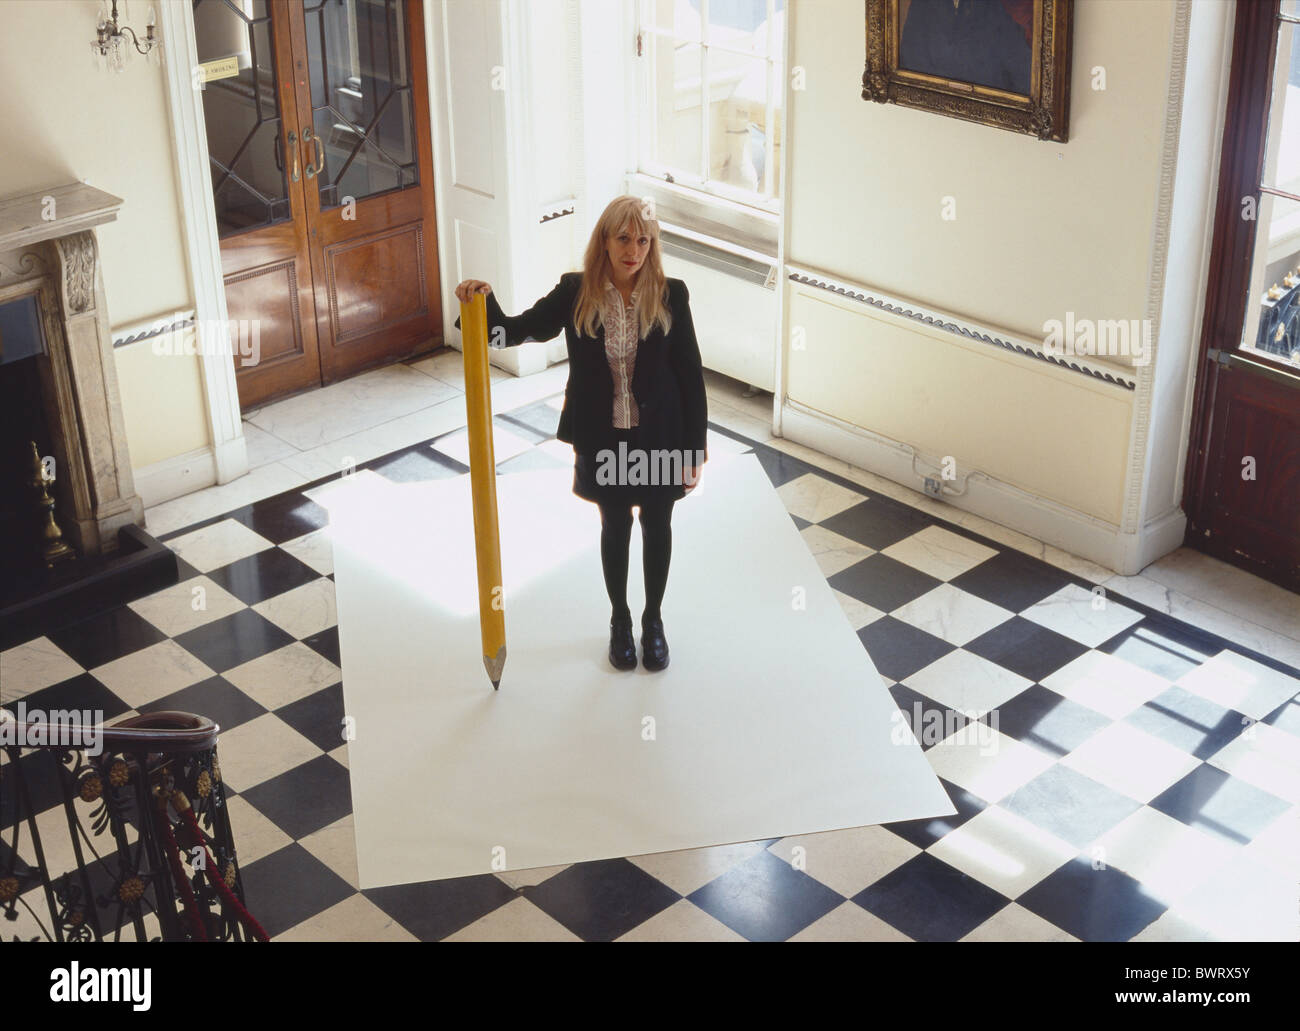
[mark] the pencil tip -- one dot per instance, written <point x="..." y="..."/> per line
<point x="495" y="666"/>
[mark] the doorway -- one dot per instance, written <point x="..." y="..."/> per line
<point x="1243" y="475"/>
<point x="317" y="122"/>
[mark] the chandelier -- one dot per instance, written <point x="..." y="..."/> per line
<point x="110" y="47"/>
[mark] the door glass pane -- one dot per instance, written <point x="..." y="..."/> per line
<point x="363" y="112"/>
<point x="1273" y="311"/>
<point x="242" y="114"/>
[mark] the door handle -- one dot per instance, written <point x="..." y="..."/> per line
<point x="314" y="170"/>
<point x="293" y="146"/>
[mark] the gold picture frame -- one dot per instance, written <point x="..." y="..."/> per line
<point x="970" y="63"/>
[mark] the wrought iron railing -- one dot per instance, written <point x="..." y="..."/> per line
<point x="117" y="833"/>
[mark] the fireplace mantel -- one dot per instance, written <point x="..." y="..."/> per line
<point x="76" y="208"/>
<point x="48" y="250"/>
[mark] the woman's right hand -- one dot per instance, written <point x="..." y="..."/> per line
<point x="467" y="288"/>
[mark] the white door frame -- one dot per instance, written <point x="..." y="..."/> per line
<point x="198" y="212"/>
<point x="202" y="244"/>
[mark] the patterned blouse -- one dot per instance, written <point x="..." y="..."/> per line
<point x="621" y="335"/>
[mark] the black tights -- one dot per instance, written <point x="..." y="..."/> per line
<point x="656" y="550"/>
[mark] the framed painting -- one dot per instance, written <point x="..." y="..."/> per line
<point x="999" y="62"/>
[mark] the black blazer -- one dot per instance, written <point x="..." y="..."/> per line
<point x="667" y="380"/>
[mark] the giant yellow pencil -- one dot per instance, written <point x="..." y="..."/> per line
<point x="483" y="486"/>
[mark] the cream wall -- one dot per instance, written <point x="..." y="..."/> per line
<point x="63" y="120"/>
<point x="1041" y="229"/>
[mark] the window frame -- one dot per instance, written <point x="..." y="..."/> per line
<point x="764" y="202"/>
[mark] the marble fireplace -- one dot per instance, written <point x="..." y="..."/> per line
<point x="58" y="388"/>
<point x="49" y="256"/>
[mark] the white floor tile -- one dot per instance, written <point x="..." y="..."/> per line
<point x="1130" y="761"/>
<point x="966" y="682"/>
<point x="952" y="615"/>
<point x="1084" y="616"/>
<point x="1239" y="683"/>
<point x="939" y="552"/>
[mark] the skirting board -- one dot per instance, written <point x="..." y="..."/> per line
<point x="176" y="476"/>
<point x="1044" y="520"/>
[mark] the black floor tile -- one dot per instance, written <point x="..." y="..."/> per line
<point x="535" y="422"/>
<point x="1161" y="646"/>
<point x="1026" y="648"/>
<point x="1286" y="717"/>
<point x="878" y="522"/>
<point x="1073" y="807"/>
<point x="80" y="692"/>
<point x="1212" y="801"/>
<point x="603" y="900"/>
<point x="39" y="770"/>
<point x="780" y="467"/>
<point x="1048" y="721"/>
<point x="110" y="635"/>
<point x="263" y="575"/>
<point x="928" y="900"/>
<point x="929" y="721"/>
<point x="882" y="582"/>
<point x="898" y="649"/>
<point x="924" y="833"/>
<point x="325" y="643"/>
<point x="1013" y="580"/>
<point x="419" y="464"/>
<point x="431" y="910"/>
<point x="283" y="517"/>
<point x="289" y="886"/>
<point x="303" y="800"/>
<point x="318" y="717"/>
<point x="215" y="698"/>
<point x="1194" y="724"/>
<point x="226" y="643"/>
<point x="1094" y="905"/>
<point x="185" y="571"/>
<point x="766" y="899"/>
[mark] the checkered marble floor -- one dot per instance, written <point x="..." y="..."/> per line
<point x="1134" y="778"/>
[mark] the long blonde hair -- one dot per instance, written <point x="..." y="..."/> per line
<point x="637" y="216"/>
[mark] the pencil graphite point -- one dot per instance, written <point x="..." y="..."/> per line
<point x="495" y="665"/>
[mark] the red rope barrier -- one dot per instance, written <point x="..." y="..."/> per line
<point x="183" y="883"/>
<point x="246" y="918"/>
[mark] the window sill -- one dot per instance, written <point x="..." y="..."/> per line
<point x="746" y="228"/>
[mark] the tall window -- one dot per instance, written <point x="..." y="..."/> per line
<point x="711" y="79"/>
<point x="1273" y="314"/>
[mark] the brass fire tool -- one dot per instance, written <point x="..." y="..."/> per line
<point x="56" y="548"/>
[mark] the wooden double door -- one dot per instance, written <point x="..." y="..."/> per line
<point x="1242" y="493"/>
<point x="317" y="122"/>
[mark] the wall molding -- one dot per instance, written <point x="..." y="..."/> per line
<point x="141" y="331"/>
<point x="963" y="328"/>
<point x="203" y="246"/>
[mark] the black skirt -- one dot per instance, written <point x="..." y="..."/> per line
<point x="587" y="486"/>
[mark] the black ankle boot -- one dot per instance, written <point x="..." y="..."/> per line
<point x="654" y="646"/>
<point x="622" y="646"/>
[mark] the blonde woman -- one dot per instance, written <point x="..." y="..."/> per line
<point x="634" y="400"/>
